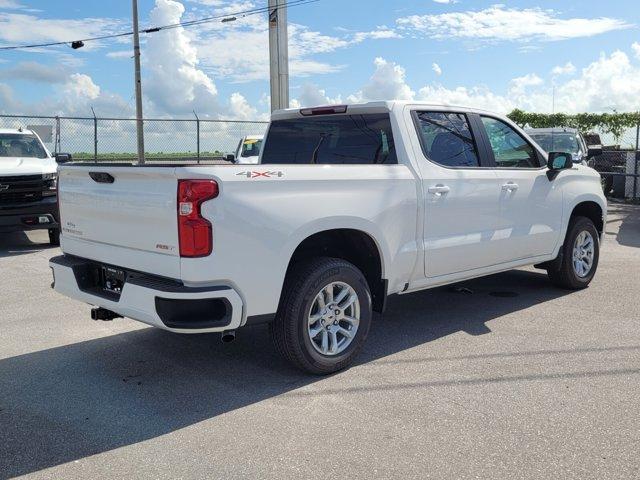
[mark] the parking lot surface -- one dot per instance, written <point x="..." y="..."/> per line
<point x="506" y="377"/>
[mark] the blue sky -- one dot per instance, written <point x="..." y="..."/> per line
<point x="496" y="56"/>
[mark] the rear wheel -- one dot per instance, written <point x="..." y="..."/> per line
<point x="324" y="315"/>
<point x="54" y="236"/>
<point x="580" y="254"/>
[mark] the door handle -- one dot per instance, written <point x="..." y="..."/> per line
<point x="510" y="187"/>
<point x="439" y="190"/>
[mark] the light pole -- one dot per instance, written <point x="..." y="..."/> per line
<point x="278" y="54"/>
<point x="136" y="57"/>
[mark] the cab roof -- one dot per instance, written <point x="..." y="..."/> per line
<point x="374" y="107"/>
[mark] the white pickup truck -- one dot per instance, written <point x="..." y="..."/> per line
<point x="349" y="204"/>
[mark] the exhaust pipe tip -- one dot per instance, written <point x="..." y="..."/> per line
<point x="228" y="336"/>
<point x="99" y="313"/>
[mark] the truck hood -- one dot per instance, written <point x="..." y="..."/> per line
<point x="26" y="166"/>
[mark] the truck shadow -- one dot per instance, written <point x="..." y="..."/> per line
<point x="70" y="402"/>
<point x="627" y="217"/>
<point x="18" y="243"/>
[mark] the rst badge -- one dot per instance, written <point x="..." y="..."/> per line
<point x="256" y="174"/>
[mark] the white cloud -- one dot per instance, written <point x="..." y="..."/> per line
<point x="446" y="2"/>
<point x="566" y="69"/>
<point x="18" y="28"/>
<point x="311" y="95"/>
<point x="436" y="68"/>
<point x="173" y="81"/>
<point x="35" y="72"/>
<point x="606" y="84"/>
<point x="10" y="4"/>
<point x="387" y="83"/>
<point x="499" y="23"/>
<point x="519" y="85"/>
<point x="477" y="97"/>
<point x="80" y="85"/>
<point x="120" y="54"/>
<point x="636" y="49"/>
<point x="239" y="50"/>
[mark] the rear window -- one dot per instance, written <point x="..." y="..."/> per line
<point x="344" y="139"/>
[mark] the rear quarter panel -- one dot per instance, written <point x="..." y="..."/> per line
<point x="264" y="212"/>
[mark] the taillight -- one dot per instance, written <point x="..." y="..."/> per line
<point x="194" y="231"/>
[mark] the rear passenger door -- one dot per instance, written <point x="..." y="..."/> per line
<point x="461" y="194"/>
<point x="530" y="206"/>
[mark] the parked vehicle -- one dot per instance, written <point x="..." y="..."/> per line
<point x="349" y="205"/>
<point x="568" y="140"/>
<point x="248" y="151"/>
<point x="28" y="182"/>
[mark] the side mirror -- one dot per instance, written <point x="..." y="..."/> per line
<point x="230" y="158"/>
<point x="63" y="158"/>
<point x="557" y="162"/>
<point x="594" y="151"/>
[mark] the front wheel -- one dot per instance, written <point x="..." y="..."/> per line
<point x="324" y="315"/>
<point x="580" y="254"/>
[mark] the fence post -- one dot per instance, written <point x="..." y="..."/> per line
<point x="197" y="135"/>
<point x="56" y="147"/>
<point x="95" y="136"/>
<point x="635" y="169"/>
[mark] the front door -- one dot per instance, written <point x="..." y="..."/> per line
<point x="530" y="204"/>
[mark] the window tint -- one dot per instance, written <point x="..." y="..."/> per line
<point x="344" y="139"/>
<point x="510" y="149"/>
<point x="447" y="139"/>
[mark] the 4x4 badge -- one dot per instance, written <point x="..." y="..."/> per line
<point x="254" y="174"/>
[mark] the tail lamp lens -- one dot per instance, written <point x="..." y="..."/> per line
<point x="194" y="231"/>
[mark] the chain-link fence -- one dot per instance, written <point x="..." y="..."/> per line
<point x="619" y="164"/>
<point x="114" y="139"/>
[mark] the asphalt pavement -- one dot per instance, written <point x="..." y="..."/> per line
<point x="499" y="377"/>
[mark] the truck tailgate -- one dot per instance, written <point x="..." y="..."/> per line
<point x="121" y="215"/>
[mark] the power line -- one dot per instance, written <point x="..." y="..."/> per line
<point x="230" y="17"/>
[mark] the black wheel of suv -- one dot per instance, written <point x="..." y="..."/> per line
<point x="580" y="253"/>
<point x="54" y="236"/>
<point x="324" y="315"/>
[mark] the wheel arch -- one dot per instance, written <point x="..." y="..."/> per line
<point x="354" y="245"/>
<point x="591" y="209"/>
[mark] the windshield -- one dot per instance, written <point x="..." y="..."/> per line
<point x="557" y="142"/>
<point x="16" y="145"/>
<point x="251" y="147"/>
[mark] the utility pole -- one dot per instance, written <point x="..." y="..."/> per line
<point x="136" y="56"/>
<point x="279" y="54"/>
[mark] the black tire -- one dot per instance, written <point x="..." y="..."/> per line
<point x="54" y="236"/>
<point x="562" y="272"/>
<point x="289" y="328"/>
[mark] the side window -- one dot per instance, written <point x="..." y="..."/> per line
<point x="510" y="149"/>
<point x="446" y="139"/>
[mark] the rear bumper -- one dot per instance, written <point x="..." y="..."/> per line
<point x="153" y="300"/>
<point x="30" y="216"/>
